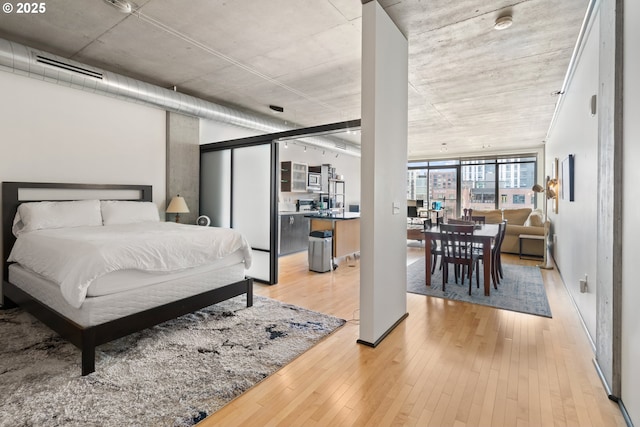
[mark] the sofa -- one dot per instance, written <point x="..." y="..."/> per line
<point x="519" y="221"/>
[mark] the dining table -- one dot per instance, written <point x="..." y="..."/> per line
<point x="483" y="234"/>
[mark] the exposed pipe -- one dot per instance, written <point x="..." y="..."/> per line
<point x="26" y="61"/>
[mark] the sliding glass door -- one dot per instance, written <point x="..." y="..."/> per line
<point x="237" y="190"/>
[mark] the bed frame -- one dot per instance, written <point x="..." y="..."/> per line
<point x="87" y="338"/>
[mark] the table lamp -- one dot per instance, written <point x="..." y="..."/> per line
<point x="177" y="206"/>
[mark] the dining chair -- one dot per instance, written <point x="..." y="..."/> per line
<point x="498" y="258"/>
<point x="436" y="249"/>
<point x="459" y="221"/>
<point x="495" y="254"/>
<point x="457" y="249"/>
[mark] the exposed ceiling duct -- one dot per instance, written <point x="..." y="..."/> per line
<point x="26" y="61"/>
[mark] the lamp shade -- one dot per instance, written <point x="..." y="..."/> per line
<point x="537" y="188"/>
<point x="177" y="205"/>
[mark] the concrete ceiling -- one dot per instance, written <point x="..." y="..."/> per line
<point x="471" y="87"/>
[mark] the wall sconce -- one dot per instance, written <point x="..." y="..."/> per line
<point x="552" y="191"/>
<point x="177" y="206"/>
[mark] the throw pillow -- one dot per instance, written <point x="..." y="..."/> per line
<point x="517" y="216"/>
<point x="535" y="220"/>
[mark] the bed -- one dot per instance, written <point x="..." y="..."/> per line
<point x="54" y="275"/>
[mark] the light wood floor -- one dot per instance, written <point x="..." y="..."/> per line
<point x="448" y="364"/>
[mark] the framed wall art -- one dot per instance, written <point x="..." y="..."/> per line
<point x="566" y="183"/>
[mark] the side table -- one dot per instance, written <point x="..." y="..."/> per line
<point x="522" y="238"/>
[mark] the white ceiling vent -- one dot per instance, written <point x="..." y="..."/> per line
<point x="68" y="67"/>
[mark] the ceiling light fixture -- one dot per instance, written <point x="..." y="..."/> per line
<point x="276" y="109"/>
<point x="503" y="22"/>
<point x="122" y="5"/>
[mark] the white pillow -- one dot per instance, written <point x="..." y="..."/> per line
<point x="43" y="215"/>
<point x="535" y="220"/>
<point x="125" y="212"/>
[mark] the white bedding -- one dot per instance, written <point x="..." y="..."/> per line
<point x="74" y="257"/>
<point x="124" y="280"/>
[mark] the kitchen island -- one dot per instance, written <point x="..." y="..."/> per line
<point x="345" y="227"/>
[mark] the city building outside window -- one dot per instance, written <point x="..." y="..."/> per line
<point x="488" y="183"/>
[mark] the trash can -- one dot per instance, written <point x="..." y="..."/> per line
<point x="320" y="251"/>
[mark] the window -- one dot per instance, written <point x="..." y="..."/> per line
<point x="515" y="182"/>
<point x="487" y="183"/>
<point x="518" y="199"/>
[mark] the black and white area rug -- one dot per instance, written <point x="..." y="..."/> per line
<point x="521" y="289"/>
<point x="174" y="374"/>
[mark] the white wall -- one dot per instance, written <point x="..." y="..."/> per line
<point x="346" y="165"/>
<point x="52" y="133"/>
<point x="631" y="207"/>
<point x="576" y="132"/>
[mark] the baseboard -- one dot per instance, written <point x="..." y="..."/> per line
<point x="625" y="414"/>
<point x="611" y="396"/>
<point x="575" y="307"/>
<point x="387" y="332"/>
<point x="603" y="380"/>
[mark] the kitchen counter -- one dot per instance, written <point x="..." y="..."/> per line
<point x="345" y="227"/>
<point x="333" y="216"/>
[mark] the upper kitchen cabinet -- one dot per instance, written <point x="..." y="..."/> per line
<point x="293" y="177"/>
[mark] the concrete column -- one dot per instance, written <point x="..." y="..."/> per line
<point x="183" y="163"/>
<point x="383" y="271"/>
<point x="609" y="233"/>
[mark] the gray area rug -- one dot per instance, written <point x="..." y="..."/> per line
<point x="521" y="289"/>
<point x="173" y="374"/>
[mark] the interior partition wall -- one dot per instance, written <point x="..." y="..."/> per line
<point x="238" y="190"/>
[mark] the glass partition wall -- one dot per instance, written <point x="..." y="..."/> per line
<point x="487" y="183"/>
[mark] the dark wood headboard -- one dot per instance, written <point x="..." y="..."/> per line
<point x="11" y="199"/>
